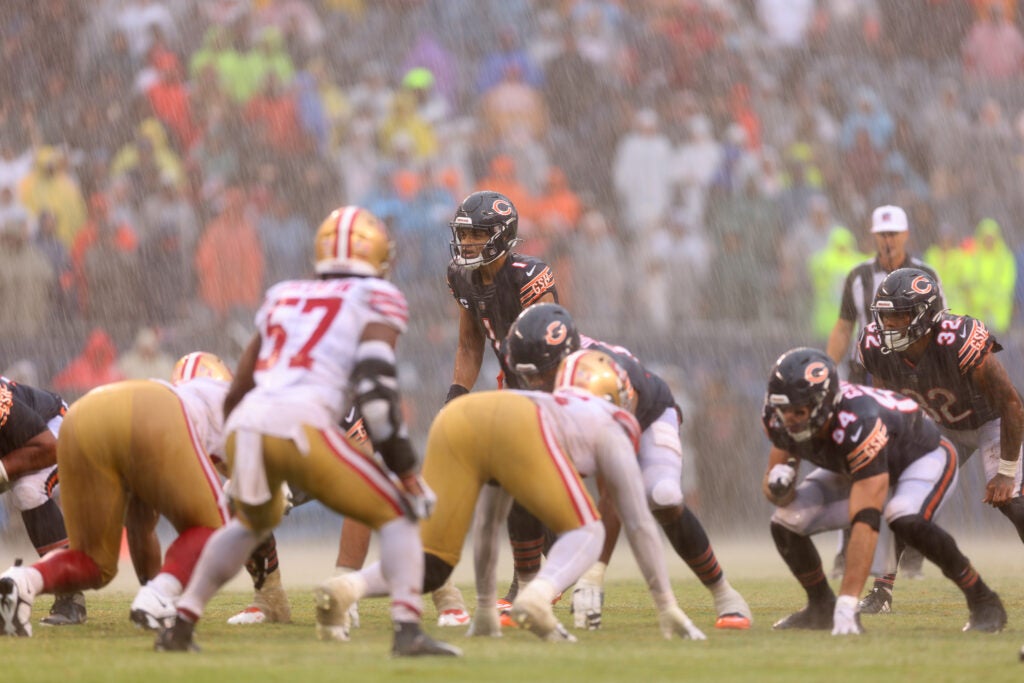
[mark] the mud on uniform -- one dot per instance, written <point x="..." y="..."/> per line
<point x="874" y="431"/>
<point x="520" y="282"/>
<point x="942" y="381"/>
<point x="140" y="438"/>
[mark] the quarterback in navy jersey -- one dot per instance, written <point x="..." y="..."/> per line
<point x="492" y="285"/>
<point x="947" y="363"/>
<point x="540" y="338"/>
<point x="30" y="420"/>
<point x="876" y="454"/>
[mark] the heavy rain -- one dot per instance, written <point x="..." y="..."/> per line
<point x="699" y="174"/>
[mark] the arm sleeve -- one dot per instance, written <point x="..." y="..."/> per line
<point x="621" y="472"/>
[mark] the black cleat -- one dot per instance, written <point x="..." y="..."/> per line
<point x="411" y="641"/>
<point x="987" y="615"/>
<point x="68" y="610"/>
<point x="878" y="601"/>
<point x="816" y="616"/>
<point x="177" y="638"/>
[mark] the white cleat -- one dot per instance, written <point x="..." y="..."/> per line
<point x="250" y="615"/>
<point x="333" y="600"/>
<point x="533" y="612"/>
<point x="16" y="598"/>
<point x="453" y="617"/>
<point x="152" y="610"/>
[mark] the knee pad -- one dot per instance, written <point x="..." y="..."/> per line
<point x="665" y="494"/>
<point x="435" y="572"/>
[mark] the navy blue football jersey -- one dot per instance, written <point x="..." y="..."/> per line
<point x="653" y="396"/>
<point x="520" y="282"/>
<point x="872" y="431"/>
<point x="942" y="380"/>
<point x="24" y="413"/>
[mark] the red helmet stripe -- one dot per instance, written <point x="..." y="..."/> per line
<point x="191" y="365"/>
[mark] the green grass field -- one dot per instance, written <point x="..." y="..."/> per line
<point x="921" y="641"/>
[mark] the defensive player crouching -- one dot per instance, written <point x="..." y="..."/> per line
<point x="534" y="446"/>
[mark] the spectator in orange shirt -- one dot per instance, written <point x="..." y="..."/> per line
<point x="94" y="366"/>
<point x="229" y="260"/>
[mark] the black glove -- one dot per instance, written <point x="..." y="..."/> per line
<point x="454" y="391"/>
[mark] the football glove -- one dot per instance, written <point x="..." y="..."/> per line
<point x="845" y="619"/>
<point x="419" y="498"/>
<point x="780" y="478"/>
<point x="587" y="600"/>
<point x="673" y="620"/>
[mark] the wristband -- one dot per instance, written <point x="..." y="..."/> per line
<point x="454" y="391"/>
<point x="1007" y="468"/>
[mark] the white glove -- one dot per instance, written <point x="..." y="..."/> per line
<point x="420" y="499"/>
<point x="289" y="499"/>
<point x="845" y="619"/>
<point x="673" y="620"/>
<point x="485" y="622"/>
<point x="780" y="478"/>
<point x="587" y="599"/>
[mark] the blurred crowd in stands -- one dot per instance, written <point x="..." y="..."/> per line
<point x="700" y="173"/>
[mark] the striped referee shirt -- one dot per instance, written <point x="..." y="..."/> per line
<point x="859" y="292"/>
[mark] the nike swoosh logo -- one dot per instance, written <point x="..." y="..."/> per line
<point x="351" y="415"/>
<point x="856" y="434"/>
<point x="530" y="271"/>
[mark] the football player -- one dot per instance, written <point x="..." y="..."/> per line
<point x="539" y="339"/>
<point x="875" y="453"/>
<point x="30" y="420"/>
<point x="322" y="345"/>
<point x="127" y="452"/>
<point x="488" y="448"/>
<point x="946" y="363"/>
<point x="492" y="284"/>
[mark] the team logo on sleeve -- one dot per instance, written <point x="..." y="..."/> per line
<point x="816" y="373"/>
<point x="6" y="403"/>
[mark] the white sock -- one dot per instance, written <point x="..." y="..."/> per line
<point x="572" y="554"/>
<point x="223" y="557"/>
<point x="401" y="561"/>
<point x="166" y="584"/>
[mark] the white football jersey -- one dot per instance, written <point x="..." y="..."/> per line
<point x="310" y="330"/>
<point x="588" y="428"/>
<point x="203" y="399"/>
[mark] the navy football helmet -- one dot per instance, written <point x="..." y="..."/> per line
<point x="911" y="291"/>
<point x="493" y="213"/>
<point x="802" y="377"/>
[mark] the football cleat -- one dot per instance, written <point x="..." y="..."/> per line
<point x="816" y="616"/>
<point x="533" y="612"/>
<point x="333" y="599"/>
<point x="152" y="610"/>
<point x="411" y="641"/>
<point x="878" y="601"/>
<point x="453" y="617"/>
<point x="16" y="598"/>
<point x="250" y="615"/>
<point x="270" y="604"/>
<point x="733" y="622"/>
<point x="733" y="611"/>
<point x="504" y="607"/>
<point x="987" y="615"/>
<point x="68" y="610"/>
<point x="177" y="638"/>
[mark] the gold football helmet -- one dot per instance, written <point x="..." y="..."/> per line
<point x="200" y="364"/>
<point x="598" y="374"/>
<point x="351" y="240"/>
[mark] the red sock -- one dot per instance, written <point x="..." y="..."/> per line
<point x="183" y="554"/>
<point x="67" y="571"/>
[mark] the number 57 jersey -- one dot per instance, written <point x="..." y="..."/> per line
<point x="942" y="380"/>
<point x="309" y="332"/>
